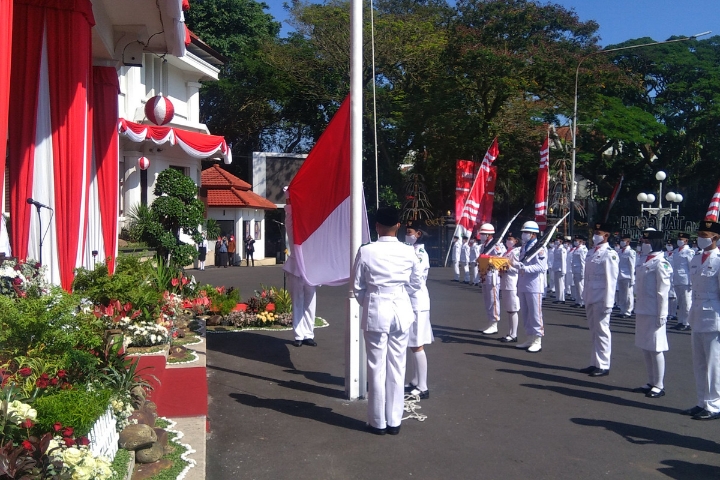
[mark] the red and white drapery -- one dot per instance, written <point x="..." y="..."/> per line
<point x="196" y="145"/>
<point x="6" y="15"/>
<point x="542" y="187"/>
<point x="51" y="131"/>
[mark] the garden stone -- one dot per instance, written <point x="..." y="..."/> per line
<point x="177" y="352"/>
<point x="144" y="418"/>
<point x="150" y="407"/>
<point x="149" y="470"/>
<point x="151" y="454"/>
<point x="214" y="321"/>
<point x="137" y="436"/>
<point x="162" y="436"/>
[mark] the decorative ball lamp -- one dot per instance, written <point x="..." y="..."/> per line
<point x="159" y="110"/>
<point x="143" y="163"/>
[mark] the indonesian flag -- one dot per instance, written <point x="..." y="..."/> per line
<point x="712" y="213"/>
<point x="464" y="175"/>
<point x="542" y="187"/>
<point x="488" y="197"/>
<point x="614" y="196"/>
<point x="319" y="196"/>
<point x="471" y="210"/>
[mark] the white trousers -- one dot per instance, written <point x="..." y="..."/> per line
<point x="599" y="325"/>
<point x="560" y="286"/>
<point x="578" y="287"/>
<point x="474" y="276"/>
<point x="550" y="281"/>
<point x="491" y="296"/>
<point x="626" y="297"/>
<point x="303" y="308"/>
<point x="456" y="270"/>
<point x="386" y="355"/>
<point x="706" y="365"/>
<point x="684" y="298"/>
<point x="466" y="272"/>
<point x="531" y="313"/>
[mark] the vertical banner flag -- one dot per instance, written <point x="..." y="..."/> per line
<point x="712" y="213"/>
<point x="464" y="175"/>
<point x="543" y="186"/>
<point x="488" y="197"/>
<point x="613" y="197"/>
<point x="471" y="210"/>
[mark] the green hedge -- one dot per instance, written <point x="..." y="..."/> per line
<point x="72" y="408"/>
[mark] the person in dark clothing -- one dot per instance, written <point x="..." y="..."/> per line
<point x="250" y="250"/>
<point x="224" y="252"/>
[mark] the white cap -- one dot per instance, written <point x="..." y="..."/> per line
<point x="487" y="229"/>
<point x="531" y="227"/>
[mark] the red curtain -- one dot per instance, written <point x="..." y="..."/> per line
<point x="6" y="15"/>
<point x="105" y="117"/>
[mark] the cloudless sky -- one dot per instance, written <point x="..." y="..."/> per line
<point x="620" y="20"/>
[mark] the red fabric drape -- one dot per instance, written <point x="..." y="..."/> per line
<point x="6" y="15"/>
<point x="24" y="87"/>
<point x="542" y="186"/>
<point x="105" y="116"/>
<point x="485" y="213"/>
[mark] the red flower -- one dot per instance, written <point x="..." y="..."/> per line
<point x="27" y="445"/>
<point x="174" y="282"/>
<point x="57" y="426"/>
<point x="37" y="265"/>
<point x="69" y="442"/>
<point x="263" y="294"/>
<point x="185" y="280"/>
<point x="82" y="441"/>
<point x="54" y="381"/>
<point x="67" y="432"/>
<point x="27" y="423"/>
<point x="25" y="372"/>
<point x="42" y="382"/>
<point x="61" y="373"/>
<point x="17" y="281"/>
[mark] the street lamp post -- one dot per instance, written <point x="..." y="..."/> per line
<point x="659" y="212"/>
<point x="575" y="109"/>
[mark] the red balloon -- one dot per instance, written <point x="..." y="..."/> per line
<point x="143" y="163"/>
<point x="159" y="110"/>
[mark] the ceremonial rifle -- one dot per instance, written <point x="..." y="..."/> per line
<point x="504" y="232"/>
<point x="542" y="243"/>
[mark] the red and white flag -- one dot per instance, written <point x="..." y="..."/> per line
<point x="613" y="197"/>
<point x="543" y="186"/>
<point x="319" y="196"/>
<point x="464" y="175"/>
<point x="470" y="213"/>
<point x="712" y="213"/>
<point x="488" y="201"/>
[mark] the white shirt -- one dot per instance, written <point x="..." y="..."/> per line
<point x="680" y="262"/>
<point x="627" y="264"/>
<point x="652" y="286"/>
<point x="601" y="273"/>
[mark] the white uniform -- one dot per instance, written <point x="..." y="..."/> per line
<point x="384" y="274"/>
<point x="652" y="286"/>
<point x="550" y="284"/>
<point x="672" y="296"/>
<point x="509" y="301"/>
<point x="475" y="250"/>
<point x="491" y="284"/>
<point x="626" y="280"/>
<point x="559" y="271"/>
<point x="578" y="272"/>
<point x="530" y="289"/>
<point x="456" y="247"/>
<point x="421" y="331"/>
<point x="301" y="293"/>
<point x="681" y="281"/>
<point x="569" y="249"/>
<point x="464" y="259"/>
<point x="601" y="273"/>
<point x="705" y="324"/>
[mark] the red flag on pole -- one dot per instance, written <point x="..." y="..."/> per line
<point x="543" y="186"/>
<point x="488" y="197"/>
<point x="464" y="175"/>
<point x="471" y="209"/>
<point x="712" y="213"/>
<point x="614" y="196"/>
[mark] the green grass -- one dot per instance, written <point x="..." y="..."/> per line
<point x="174" y="456"/>
<point x="189" y="338"/>
<point x="185" y="358"/>
<point x="120" y="464"/>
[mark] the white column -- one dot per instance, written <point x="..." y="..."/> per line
<point x="131" y="177"/>
<point x="193" y="101"/>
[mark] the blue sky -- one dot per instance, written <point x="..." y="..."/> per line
<point x="622" y="20"/>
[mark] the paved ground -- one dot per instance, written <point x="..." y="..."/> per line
<point x="495" y="412"/>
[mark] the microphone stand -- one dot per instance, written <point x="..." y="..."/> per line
<point x="40" y="235"/>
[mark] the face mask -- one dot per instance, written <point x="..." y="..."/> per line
<point x="669" y="248"/>
<point x="623" y="243"/>
<point x="483" y="238"/>
<point x="703" y="242"/>
<point x="576" y="243"/>
<point x="617" y="248"/>
<point x="410" y="239"/>
<point x="680" y="243"/>
<point x="646" y="248"/>
<point x="509" y="243"/>
<point x="598" y="239"/>
<point x="526" y="237"/>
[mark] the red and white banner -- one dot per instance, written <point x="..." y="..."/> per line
<point x="470" y="213"/>
<point x="712" y="213"/>
<point x="613" y="197"/>
<point x="488" y="201"/>
<point x="543" y="186"/>
<point x="319" y="197"/>
<point x="464" y="176"/>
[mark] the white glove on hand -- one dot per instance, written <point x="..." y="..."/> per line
<point x="661" y="321"/>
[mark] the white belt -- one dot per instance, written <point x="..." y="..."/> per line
<point x="706" y="295"/>
<point x="386" y="290"/>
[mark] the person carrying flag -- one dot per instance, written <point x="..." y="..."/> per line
<point x="531" y="266"/>
<point x="490" y="282"/>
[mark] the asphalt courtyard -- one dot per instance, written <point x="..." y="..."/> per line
<point x="495" y="412"/>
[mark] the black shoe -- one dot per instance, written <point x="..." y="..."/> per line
<point x="625" y="316"/>
<point x="423" y="395"/>
<point x="705" y="415"/>
<point x="508" y="339"/>
<point x="456" y="280"/>
<point x="600" y="372"/>
<point x="577" y="305"/>
<point x="644" y="389"/>
<point x="376" y="431"/>
<point x="393" y="430"/>
<point x="410" y="387"/>
<point x="652" y="394"/>
<point x="297" y="343"/>
<point x="682" y="328"/>
<point x="693" y="411"/>
<point x="310" y="342"/>
<point x="589" y="369"/>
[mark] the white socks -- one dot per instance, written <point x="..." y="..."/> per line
<point x="420" y="375"/>
<point x="655" y="366"/>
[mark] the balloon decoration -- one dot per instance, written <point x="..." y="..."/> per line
<point x="143" y="163"/>
<point x="159" y="110"/>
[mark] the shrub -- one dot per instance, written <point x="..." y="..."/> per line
<point x="222" y="301"/>
<point x="283" y="301"/>
<point x="75" y="408"/>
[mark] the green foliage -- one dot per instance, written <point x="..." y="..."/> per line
<point x="125" y="377"/>
<point x="222" y="302"/>
<point x="212" y="228"/>
<point x="72" y="408"/>
<point x="120" y="464"/>
<point x="81" y="365"/>
<point x="283" y="301"/>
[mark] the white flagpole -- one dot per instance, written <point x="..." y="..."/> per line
<point x="355" y="363"/>
<point x="457" y="220"/>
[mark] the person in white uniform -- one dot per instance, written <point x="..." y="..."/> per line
<point x="301" y="293"/>
<point x="385" y="274"/>
<point x="705" y="322"/>
<point x="464" y="259"/>
<point x="626" y="278"/>
<point x="490" y="282"/>
<point x="652" y="287"/>
<point x="455" y="257"/>
<point x="421" y="330"/>
<point x="672" y="296"/>
<point x="531" y="265"/>
<point x="681" y="259"/>
<point x="475" y="251"/>
<point x="509" y="301"/>
<point x="559" y="269"/>
<point x="601" y="273"/>
<point x="568" y="274"/>
<point x="550" y="283"/>
<point x="578" y="269"/>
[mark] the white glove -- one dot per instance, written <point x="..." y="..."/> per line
<point x="661" y="321"/>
